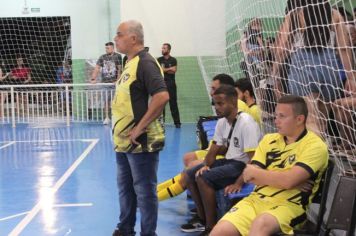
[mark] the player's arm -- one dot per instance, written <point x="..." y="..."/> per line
<point x="155" y="108"/>
<point x="12" y="76"/>
<point x="95" y="73"/>
<point x="29" y="78"/>
<point x="287" y="179"/>
<point x="150" y="75"/>
<point x="217" y="147"/>
<point x="236" y="187"/>
<point x="343" y="43"/>
<point x="2" y="77"/>
<point x="170" y="70"/>
<point x="282" y="48"/>
<point x="173" y="68"/>
<point x="213" y="151"/>
<point x="209" y="158"/>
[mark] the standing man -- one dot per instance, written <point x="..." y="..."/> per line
<point x="110" y="66"/>
<point x="169" y="66"/>
<point x="138" y="133"/>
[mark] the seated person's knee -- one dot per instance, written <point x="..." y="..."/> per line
<point x="194" y="163"/>
<point x="188" y="158"/>
<point x="265" y="223"/>
<point x="224" y="228"/>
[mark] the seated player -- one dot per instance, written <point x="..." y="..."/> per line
<point x="282" y="163"/>
<point x="245" y="93"/>
<point x="177" y="185"/>
<point x="236" y="137"/>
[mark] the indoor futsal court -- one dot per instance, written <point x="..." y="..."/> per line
<point x="74" y="87"/>
<point x="58" y="180"/>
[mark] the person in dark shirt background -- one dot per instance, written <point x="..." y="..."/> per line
<point x="169" y="66"/>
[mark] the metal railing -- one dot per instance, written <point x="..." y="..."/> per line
<point x="55" y="102"/>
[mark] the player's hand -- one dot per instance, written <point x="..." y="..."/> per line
<point x="307" y="186"/>
<point x="202" y="170"/>
<point x="350" y="86"/>
<point x="93" y="81"/>
<point x="134" y="134"/>
<point x="248" y="173"/>
<point x="232" y="188"/>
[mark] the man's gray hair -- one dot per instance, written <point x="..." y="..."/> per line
<point x="135" y="27"/>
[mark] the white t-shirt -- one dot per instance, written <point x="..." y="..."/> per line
<point x="244" y="138"/>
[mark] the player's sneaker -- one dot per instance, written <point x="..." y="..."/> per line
<point x="194" y="225"/>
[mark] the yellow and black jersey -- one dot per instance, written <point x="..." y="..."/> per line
<point x="242" y="106"/>
<point x="252" y="110"/>
<point x="255" y="111"/>
<point x="141" y="78"/>
<point x="308" y="152"/>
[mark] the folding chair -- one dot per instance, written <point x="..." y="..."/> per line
<point x="320" y="199"/>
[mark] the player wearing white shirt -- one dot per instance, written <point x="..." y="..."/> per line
<point x="236" y="136"/>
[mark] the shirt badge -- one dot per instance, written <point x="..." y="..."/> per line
<point x="291" y="159"/>
<point x="236" y="142"/>
<point x="124" y="78"/>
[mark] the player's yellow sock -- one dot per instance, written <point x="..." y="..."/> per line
<point x="169" y="182"/>
<point x="170" y="192"/>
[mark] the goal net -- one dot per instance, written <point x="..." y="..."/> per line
<point x="303" y="48"/>
<point x="35" y="64"/>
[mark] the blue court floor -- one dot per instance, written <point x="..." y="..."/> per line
<point x="58" y="180"/>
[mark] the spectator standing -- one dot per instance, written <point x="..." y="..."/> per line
<point x="169" y="66"/>
<point x="110" y="65"/>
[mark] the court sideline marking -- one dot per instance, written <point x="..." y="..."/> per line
<point x="37" y="208"/>
<point x="8" y="144"/>
<point x="53" y="206"/>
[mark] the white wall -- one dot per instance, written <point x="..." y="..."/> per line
<point x="93" y="22"/>
<point x="192" y="27"/>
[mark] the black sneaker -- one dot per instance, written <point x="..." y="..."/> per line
<point x="117" y="233"/>
<point x="177" y="126"/>
<point x="194" y="225"/>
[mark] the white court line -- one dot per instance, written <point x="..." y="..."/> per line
<point x="51" y="140"/>
<point x="14" y="216"/>
<point x="37" y="208"/>
<point x="54" y="206"/>
<point x="73" y="205"/>
<point x="6" y="145"/>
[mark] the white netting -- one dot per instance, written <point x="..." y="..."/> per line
<point x="36" y="52"/>
<point x="301" y="47"/>
<point x="43" y="43"/>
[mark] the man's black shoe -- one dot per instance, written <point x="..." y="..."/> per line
<point x="117" y="233"/>
<point x="194" y="225"/>
<point x="177" y="126"/>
